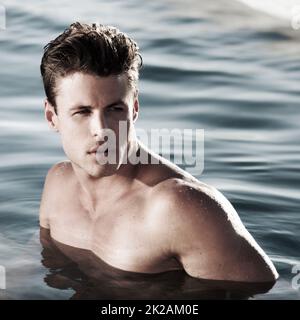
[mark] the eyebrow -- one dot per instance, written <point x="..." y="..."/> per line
<point x="108" y="106"/>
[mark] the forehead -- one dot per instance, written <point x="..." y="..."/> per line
<point x="88" y="89"/>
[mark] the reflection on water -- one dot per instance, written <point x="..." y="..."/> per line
<point x="91" y="278"/>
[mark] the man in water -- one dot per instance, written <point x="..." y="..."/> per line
<point x="149" y="216"/>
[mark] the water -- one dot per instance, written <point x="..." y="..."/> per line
<point x="220" y="66"/>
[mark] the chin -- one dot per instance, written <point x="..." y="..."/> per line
<point x="98" y="171"/>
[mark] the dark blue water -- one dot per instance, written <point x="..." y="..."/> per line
<point x="218" y="66"/>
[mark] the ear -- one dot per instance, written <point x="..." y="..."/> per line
<point x="51" y="116"/>
<point x="136" y="106"/>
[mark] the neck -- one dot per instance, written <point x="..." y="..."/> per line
<point x="97" y="190"/>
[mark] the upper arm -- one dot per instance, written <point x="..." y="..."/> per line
<point x="49" y="195"/>
<point x="209" y="239"/>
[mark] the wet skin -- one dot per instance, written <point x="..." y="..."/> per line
<point x="144" y="218"/>
<point x="92" y="278"/>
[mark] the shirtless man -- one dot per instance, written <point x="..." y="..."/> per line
<point x="143" y="217"/>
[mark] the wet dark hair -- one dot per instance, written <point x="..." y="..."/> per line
<point x="94" y="49"/>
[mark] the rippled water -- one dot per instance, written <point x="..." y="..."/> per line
<point x="220" y="66"/>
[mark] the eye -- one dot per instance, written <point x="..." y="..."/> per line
<point x="82" y="112"/>
<point x="115" y="108"/>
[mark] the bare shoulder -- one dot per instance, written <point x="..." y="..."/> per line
<point x="206" y="234"/>
<point x="59" y="172"/>
<point x="55" y="180"/>
<point x="183" y="194"/>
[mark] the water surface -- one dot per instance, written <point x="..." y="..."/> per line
<point x="219" y="66"/>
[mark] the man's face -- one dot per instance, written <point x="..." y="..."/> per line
<point x="88" y="105"/>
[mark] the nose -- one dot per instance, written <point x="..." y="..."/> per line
<point x="97" y="124"/>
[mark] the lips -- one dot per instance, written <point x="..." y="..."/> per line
<point x="99" y="148"/>
<point x="96" y="148"/>
<point x="93" y="150"/>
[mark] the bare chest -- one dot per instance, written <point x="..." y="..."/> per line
<point x="121" y="234"/>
